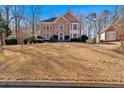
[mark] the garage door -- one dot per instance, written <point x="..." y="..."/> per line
<point x="111" y="36"/>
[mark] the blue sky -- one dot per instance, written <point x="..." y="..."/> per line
<point x="61" y="9"/>
<point x="85" y="9"/>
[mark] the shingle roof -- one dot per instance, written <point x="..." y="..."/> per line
<point x="74" y="21"/>
<point x="49" y="20"/>
<point x="108" y="28"/>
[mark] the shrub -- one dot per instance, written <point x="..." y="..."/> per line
<point x="39" y="37"/>
<point x="25" y="41"/>
<point x="55" y="37"/>
<point x="30" y="40"/>
<point x="11" y="41"/>
<point x="84" y="38"/>
<point x="75" y="40"/>
<point x="39" y="41"/>
<point x="67" y="37"/>
<point x="52" y="39"/>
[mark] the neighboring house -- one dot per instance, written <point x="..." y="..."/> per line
<point x="111" y="32"/>
<point x="62" y="26"/>
<point x="25" y="29"/>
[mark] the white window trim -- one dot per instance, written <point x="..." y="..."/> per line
<point x="60" y="27"/>
<point x="72" y="25"/>
<point x="50" y="27"/>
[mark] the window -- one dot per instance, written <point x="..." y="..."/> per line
<point x="44" y="28"/>
<point x="43" y="35"/>
<point x="61" y="27"/>
<point x="47" y="36"/>
<point x="75" y="27"/>
<point x="50" y="27"/>
<point x="71" y="35"/>
<point x="71" y="27"/>
<point x="47" y="27"/>
<point x="74" y="35"/>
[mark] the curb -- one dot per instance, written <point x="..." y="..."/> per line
<point x="60" y="84"/>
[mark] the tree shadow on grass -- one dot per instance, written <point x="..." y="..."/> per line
<point x="119" y="50"/>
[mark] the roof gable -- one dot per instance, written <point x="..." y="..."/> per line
<point x="70" y="17"/>
<point x="108" y="28"/>
<point x="61" y="17"/>
<point x="67" y="17"/>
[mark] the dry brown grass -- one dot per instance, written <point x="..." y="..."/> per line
<point x="62" y="61"/>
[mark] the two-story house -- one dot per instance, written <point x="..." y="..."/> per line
<point x="65" y="25"/>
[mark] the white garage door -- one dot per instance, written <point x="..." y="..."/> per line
<point x="111" y="36"/>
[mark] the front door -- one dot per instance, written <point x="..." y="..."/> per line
<point x="61" y="36"/>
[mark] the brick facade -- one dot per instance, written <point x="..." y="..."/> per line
<point x="61" y="27"/>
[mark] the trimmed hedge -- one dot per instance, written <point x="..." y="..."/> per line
<point x="84" y="38"/>
<point x="67" y="37"/>
<point x="53" y="39"/>
<point x="75" y="40"/>
<point x="11" y="41"/>
<point x="39" y="37"/>
<point x="32" y="40"/>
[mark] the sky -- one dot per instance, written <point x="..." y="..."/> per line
<point x="61" y="9"/>
<point x="85" y="9"/>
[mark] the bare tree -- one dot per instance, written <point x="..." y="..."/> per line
<point x="2" y="29"/>
<point x="115" y="15"/>
<point x="121" y="31"/>
<point x="81" y="18"/>
<point x="91" y="20"/>
<point x="18" y="12"/>
<point x="34" y="17"/>
<point x="104" y="16"/>
<point x="52" y="13"/>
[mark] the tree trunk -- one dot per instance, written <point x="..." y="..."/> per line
<point x="7" y="19"/>
<point x="7" y="29"/>
<point x="1" y="42"/>
<point x="1" y="39"/>
<point x="121" y="41"/>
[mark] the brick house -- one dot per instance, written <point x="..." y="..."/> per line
<point x="113" y="32"/>
<point x="62" y="26"/>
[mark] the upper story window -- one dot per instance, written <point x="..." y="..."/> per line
<point x="44" y="27"/>
<point x="74" y="26"/>
<point x="48" y="27"/>
<point x="61" y="27"/>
